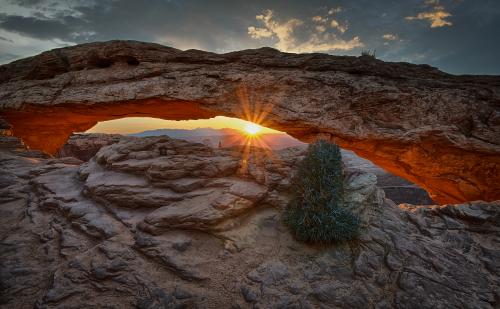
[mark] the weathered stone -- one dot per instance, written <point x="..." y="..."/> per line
<point x="250" y="295"/>
<point x="64" y="247"/>
<point x="437" y="130"/>
<point x="85" y="146"/>
<point x="271" y="272"/>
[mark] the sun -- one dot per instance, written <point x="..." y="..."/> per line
<point x="252" y="129"/>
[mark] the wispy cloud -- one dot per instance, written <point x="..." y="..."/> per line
<point x="319" y="19"/>
<point x="258" y="33"/>
<point x="320" y="39"/>
<point x="390" y="37"/>
<point x="436" y="16"/>
<point x="335" y="10"/>
<point x="329" y="20"/>
<point x="6" y="39"/>
<point x="283" y="31"/>
<point x="336" y="25"/>
<point x="327" y="42"/>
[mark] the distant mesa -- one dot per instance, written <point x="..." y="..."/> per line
<point x="180" y="133"/>
<point x="226" y="137"/>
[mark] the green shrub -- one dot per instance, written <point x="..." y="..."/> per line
<point x="316" y="212"/>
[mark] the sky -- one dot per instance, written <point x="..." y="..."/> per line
<point x="456" y="36"/>
<point x="139" y="124"/>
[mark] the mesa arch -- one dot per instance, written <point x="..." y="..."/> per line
<point x="435" y="129"/>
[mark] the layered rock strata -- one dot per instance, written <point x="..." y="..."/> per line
<point x="437" y="130"/>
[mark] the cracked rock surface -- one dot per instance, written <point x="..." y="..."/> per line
<point x="434" y="129"/>
<point x="211" y="237"/>
<point x="397" y="189"/>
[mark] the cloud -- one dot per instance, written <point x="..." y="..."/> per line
<point x="161" y="21"/>
<point x="335" y="24"/>
<point x="26" y="3"/>
<point x="65" y="28"/>
<point x="390" y="37"/>
<point x="437" y="16"/>
<point x="319" y="19"/>
<point x="222" y="26"/>
<point x="335" y="10"/>
<point x="326" y="43"/>
<point x="6" y="39"/>
<point x="258" y="33"/>
<point x="14" y="46"/>
<point x="320" y="28"/>
<point x="285" y="33"/>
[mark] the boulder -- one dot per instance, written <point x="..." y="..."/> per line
<point x="85" y="146"/>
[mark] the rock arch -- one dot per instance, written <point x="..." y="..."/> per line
<point x="435" y="129"/>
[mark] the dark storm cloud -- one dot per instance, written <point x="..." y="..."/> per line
<point x="458" y="36"/>
<point x="191" y="23"/>
<point x="65" y="28"/>
<point x="27" y="3"/>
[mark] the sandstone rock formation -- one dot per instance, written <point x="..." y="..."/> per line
<point x="85" y="146"/>
<point x="396" y="188"/>
<point x="72" y="240"/>
<point x="437" y="130"/>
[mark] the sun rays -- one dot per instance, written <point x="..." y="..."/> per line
<point x="252" y="129"/>
<point x="255" y="153"/>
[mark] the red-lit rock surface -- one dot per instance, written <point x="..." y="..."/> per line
<point x="201" y="228"/>
<point x="437" y="130"/>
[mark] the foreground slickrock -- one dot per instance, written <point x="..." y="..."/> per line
<point x="162" y="223"/>
<point x="437" y="130"/>
<point x="85" y="146"/>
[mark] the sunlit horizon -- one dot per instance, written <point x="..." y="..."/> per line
<point x="252" y="129"/>
<point x="131" y="125"/>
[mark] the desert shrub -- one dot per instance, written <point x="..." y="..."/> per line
<point x="316" y="212"/>
<point x="368" y="53"/>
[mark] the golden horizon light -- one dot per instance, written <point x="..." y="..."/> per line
<point x="252" y="128"/>
<point x="130" y="125"/>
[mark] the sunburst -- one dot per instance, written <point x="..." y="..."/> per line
<point x="252" y="129"/>
<point x="255" y="150"/>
